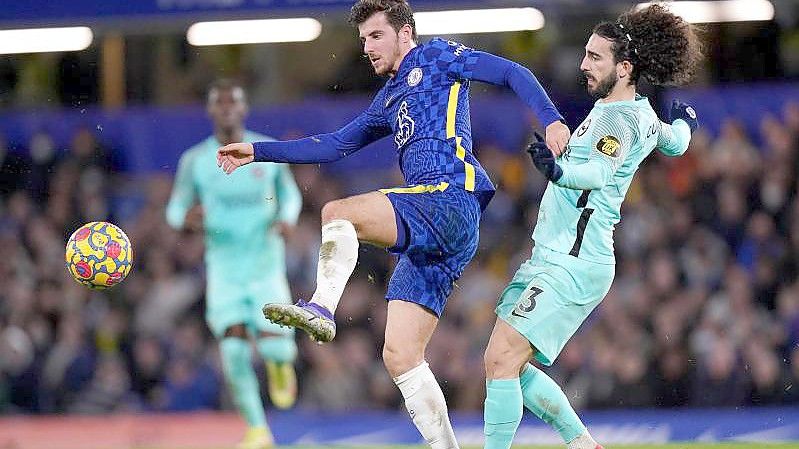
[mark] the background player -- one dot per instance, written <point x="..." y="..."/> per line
<point x="244" y="218"/>
<point x="432" y="223"/>
<point x="573" y="265"/>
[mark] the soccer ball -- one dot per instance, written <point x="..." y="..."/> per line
<point x="99" y="255"/>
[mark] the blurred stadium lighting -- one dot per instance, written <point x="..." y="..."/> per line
<point x="721" y="11"/>
<point x="478" y="21"/>
<point x="42" y="40"/>
<point x="301" y="29"/>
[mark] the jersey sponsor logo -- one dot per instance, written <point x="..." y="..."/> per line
<point x="609" y="146"/>
<point x="691" y="113"/>
<point x="583" y="128"/>
<point x="405" y="125"/>
<point x="459" y="48"/>
<point x="415" y="77"/>
<point x="653" y="129"/>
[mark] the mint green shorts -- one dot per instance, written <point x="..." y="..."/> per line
<point x="231" y="302"/>
<point x="550" y="296"/>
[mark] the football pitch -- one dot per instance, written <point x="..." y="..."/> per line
<point x="622" y="446"/>
<point x="794" y="445"/>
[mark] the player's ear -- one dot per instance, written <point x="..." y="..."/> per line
<point x="406" y="33"/>
<point x="624" y="69"/>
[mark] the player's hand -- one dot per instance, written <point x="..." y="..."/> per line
<point x="543" y="159"/>
<point x="284" y="229"/>
<point x="685" y="112"/>
<point x="557" y="137"/>
<point x="234" y="155"/>
<point x="194" y="219"/>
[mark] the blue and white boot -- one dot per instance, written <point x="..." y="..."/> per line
<point x="314" y="319"/>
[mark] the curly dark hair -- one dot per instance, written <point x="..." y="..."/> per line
<point x="398" y="13"/>
<point x="663" y="48"/>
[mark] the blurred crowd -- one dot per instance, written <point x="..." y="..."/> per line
<point x="704" y="310"/>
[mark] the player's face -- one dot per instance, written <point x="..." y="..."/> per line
<point x="598" y="67"/>
<point x="227" y="107"/>
<point x="380" y="44"/>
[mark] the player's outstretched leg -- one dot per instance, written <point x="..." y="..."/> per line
<point x="337" y="257"/>
<point x="237" y="365"/>
<point x="279" y="353"/>
<point x="512" y="381"/>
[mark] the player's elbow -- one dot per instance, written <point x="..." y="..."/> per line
<point x="174" y="220"/>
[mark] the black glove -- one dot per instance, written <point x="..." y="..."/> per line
<point x="543" y="159"/>
<point x="680" y="110"/>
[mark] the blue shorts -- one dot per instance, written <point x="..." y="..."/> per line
<point x="437" y="235"/>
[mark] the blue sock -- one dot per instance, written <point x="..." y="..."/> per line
<point x="547" y="401"/>
<point x="237" y="364"/>
<point x="278" y="349"/>
<point x="503" y="412"/>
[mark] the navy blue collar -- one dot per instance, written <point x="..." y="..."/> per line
<point x="405" y="64"/>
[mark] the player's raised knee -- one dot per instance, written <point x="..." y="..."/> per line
<point x="336" y="210"/>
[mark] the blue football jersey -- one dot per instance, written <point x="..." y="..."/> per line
<point x="425" y="108"/>
<point x="428" y="99"/>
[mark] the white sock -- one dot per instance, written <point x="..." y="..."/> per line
<point x="427" y="407"/>
<point x="584" y="441"/>
<point x="337" y="257"/>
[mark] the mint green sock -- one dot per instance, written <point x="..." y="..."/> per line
<point x="278" y="349"/>
<point x="237" y="364"/>
<point x="547" y="401"/>
<point x="502" y="413"/>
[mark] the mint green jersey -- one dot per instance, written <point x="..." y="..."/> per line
<point x="239" y="211"/>
<point x="579" y="212"/>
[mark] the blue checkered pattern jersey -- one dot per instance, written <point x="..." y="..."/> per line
<point x="428" y="99"/>
<point x="425" y="107"/>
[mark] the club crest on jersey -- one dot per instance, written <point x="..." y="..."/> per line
<point x="415" y="77"/>
<point x="609" y="146"/>
<point x="583" y="128"/>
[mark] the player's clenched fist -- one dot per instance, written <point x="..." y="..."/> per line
<point x="234" y="155"/>
<point x="543" y="159"/>
<point x="685" y="112"/>
<point x="557" y="137"/>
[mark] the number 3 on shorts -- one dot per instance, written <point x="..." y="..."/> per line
<point x="526" y="301"/>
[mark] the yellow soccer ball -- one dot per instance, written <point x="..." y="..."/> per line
<point x="99" y="255"/>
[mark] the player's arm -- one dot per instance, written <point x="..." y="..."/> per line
<point x="673" y="139"/>
<point x="466" y="63"/>
<point x="499" y="71"/>
<point x="611" y="139"/>
<point x="184" y="193"/>
<point x="289" y="199"/>
<point x="363" y="130"/>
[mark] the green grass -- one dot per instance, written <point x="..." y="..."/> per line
<point x="636" y="446"/>
<point x="621" y="446"/>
